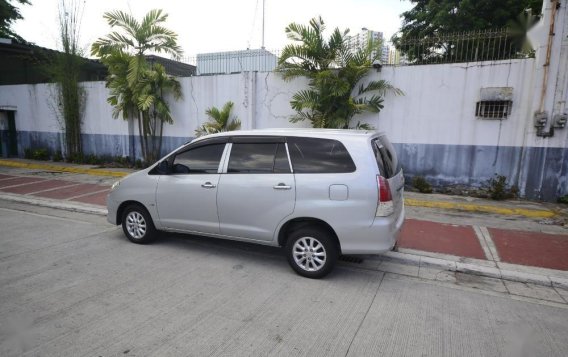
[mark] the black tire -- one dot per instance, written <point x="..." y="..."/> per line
<point x="137" y="225"/>
<point x="313" y="264"/>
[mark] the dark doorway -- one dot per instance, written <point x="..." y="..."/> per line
<point x="9" y="137"/>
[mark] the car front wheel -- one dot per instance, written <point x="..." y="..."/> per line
<point x="311" y="252"/>
<point x="137" y="225"/>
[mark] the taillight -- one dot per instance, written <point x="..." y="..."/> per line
<point x="385" y="206"/>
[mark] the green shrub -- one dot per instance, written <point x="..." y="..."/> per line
<point x="421" y="184"/>
<point x="563" y="199"/>
<point x="36" y="154"/>
<point x="139" y="164"/>
<point x="92" y="159"/>
<point x="57" y="157"/>
<point x="104" y="160"/>
<point x="122" y="160"/>
<point x="28" y="154"/>
<point x="76" y="158"/>
<point x="498" y="189"/>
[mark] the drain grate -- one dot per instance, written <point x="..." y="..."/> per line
<point x="351" y="259"/>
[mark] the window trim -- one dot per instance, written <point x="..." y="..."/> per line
<point x="227" y="154"/>
<point x="289" y="158"/>
<point x="250" y="139"/>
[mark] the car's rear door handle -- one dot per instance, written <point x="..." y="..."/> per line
<point x="208" y="185"/>
<point x="282" y="186"/>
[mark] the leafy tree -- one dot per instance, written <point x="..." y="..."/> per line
<point x="518" y="29"/>
<point x="336" y="90"/>
<point x="219" y="121"/>
<point x="138" y="88"/>
<point x="431" y="18"/>
<point x="8" y="15"/>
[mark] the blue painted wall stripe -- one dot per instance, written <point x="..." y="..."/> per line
<point x="541" y="173"/>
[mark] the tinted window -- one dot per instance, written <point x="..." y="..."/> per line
<point x="311" y="155"/>
<point x="386" y="157"/>
<point x="258" y="158"/>
<point x="281" y="163"/>
<point x="200" y="160"/>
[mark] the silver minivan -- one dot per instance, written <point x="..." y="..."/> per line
<point x="318" y="193"/>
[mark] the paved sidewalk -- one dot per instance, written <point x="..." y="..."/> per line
<point x="514" y="239"/>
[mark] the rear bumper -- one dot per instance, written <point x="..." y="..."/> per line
<point x="380" y="237"/>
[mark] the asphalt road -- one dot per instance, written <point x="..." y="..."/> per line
<point x="72" y="285"/>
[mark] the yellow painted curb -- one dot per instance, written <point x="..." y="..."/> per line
<point x="472" y="207"/>
<point x="75" y="170"/>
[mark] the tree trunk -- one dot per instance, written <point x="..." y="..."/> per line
<point x="141" y="135"/>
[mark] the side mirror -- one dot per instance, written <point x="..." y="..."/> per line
<point x="163" y="168"/>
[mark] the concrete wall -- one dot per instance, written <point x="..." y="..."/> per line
<point x="433" y="125"/>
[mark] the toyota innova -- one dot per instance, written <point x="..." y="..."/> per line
<point x="318" y="193"/>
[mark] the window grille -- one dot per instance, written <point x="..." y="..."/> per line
<point x="493" y="109"/>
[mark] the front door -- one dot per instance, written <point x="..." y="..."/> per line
<point x="257" y="192"/>
<point x="12" y="135"/>
<point x="186" y="198"/>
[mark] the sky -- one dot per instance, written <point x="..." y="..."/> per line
<point x="216" y="25"/>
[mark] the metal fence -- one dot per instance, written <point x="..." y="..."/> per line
<point x="473" y="46"/>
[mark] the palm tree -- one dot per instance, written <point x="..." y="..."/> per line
<point x="219" y="121"/>
<point x="336" y="88"/>
<point x="155" y="83"/>
<point x="132" y="80"/>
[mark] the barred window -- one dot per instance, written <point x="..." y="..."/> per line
<point x="493" y="109"/>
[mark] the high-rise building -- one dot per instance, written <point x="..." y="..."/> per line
<point x="361" y="40"/>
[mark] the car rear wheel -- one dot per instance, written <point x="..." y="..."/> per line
<point x="137" y="225"/>
<point x="311" y="252"/>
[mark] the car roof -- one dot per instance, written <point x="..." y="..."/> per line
<point x="308" y="132"/>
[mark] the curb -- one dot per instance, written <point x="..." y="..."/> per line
<point x="71" y="169"/>
<point x="411" y="202"/>
<point x="472" y="207"/>
<point x="57" y="204"/>
<point x="469" y="268"/>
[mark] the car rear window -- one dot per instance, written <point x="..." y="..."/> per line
<point x="386" y="157"/>
<point x="313" y="155"/>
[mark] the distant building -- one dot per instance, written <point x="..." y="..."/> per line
<point x="393" y="56"/>
<point x="361" y="40"/>
<point x="259" y="60"/>
<point x="24" y="63"/>
<point x="173" y="68"/>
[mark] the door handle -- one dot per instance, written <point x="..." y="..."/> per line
<point x="208" y="185"/>
<point x="282" y="186"/>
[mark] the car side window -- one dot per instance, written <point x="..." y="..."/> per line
<point x="313" y="155"/>
<point x="258" y="158"/>
<point x="199" y="160"/>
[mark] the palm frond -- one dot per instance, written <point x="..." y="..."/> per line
<point x="381" y="86"/>
<point x="123" y="20"/>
